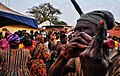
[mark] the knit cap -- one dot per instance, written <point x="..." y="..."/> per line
<point x="14" y="38"/>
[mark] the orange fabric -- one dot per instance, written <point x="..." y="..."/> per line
<point x="38" y="67"/>
<point x="114" y="32"/>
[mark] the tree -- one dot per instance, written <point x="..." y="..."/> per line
<point x="44" y="12"/>
<point x="59" y="22"/>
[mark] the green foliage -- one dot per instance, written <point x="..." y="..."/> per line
<point x="44" y="12"/>
<point x="59" y="23"/>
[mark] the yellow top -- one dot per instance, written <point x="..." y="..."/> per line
<point x="116" y="43"/>
<point x="21" y="46"/>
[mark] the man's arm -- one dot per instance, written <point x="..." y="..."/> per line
<point x="57" y="68"/>
<point x="61" y="66"/>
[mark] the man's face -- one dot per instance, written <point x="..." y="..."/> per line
<point x="86" y="27"/>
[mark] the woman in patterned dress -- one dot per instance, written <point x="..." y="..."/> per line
<point x="38" y="67"/>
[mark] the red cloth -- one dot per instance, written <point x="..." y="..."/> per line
<point x="110" y="43"/>
<point x="4" y="45"/>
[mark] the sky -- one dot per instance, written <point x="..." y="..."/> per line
<point x="69" y="14"/>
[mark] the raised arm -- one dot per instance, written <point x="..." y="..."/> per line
<point x="65" y="62"/>
<point x="58" y="66"/>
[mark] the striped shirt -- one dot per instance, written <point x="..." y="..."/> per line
<point x="15" y="62"/>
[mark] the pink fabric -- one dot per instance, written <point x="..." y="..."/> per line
<point x="110" y="43"/>
<point x="119" y="44"/>
<point x="4" y="45"/>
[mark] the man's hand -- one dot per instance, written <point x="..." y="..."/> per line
<point x="92" y="60"/>
<point x="77" y="45"/>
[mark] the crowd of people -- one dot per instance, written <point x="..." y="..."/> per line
<point x="30" y="53"/>
<point x="84" y="51"/>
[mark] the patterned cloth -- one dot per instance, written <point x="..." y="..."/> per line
<point x="13" y="38"/>
<point x="38" y="67"/>
<point x="4" y="45"/>
<point x="15" y="62"/>
<point x="115" y="67"/>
